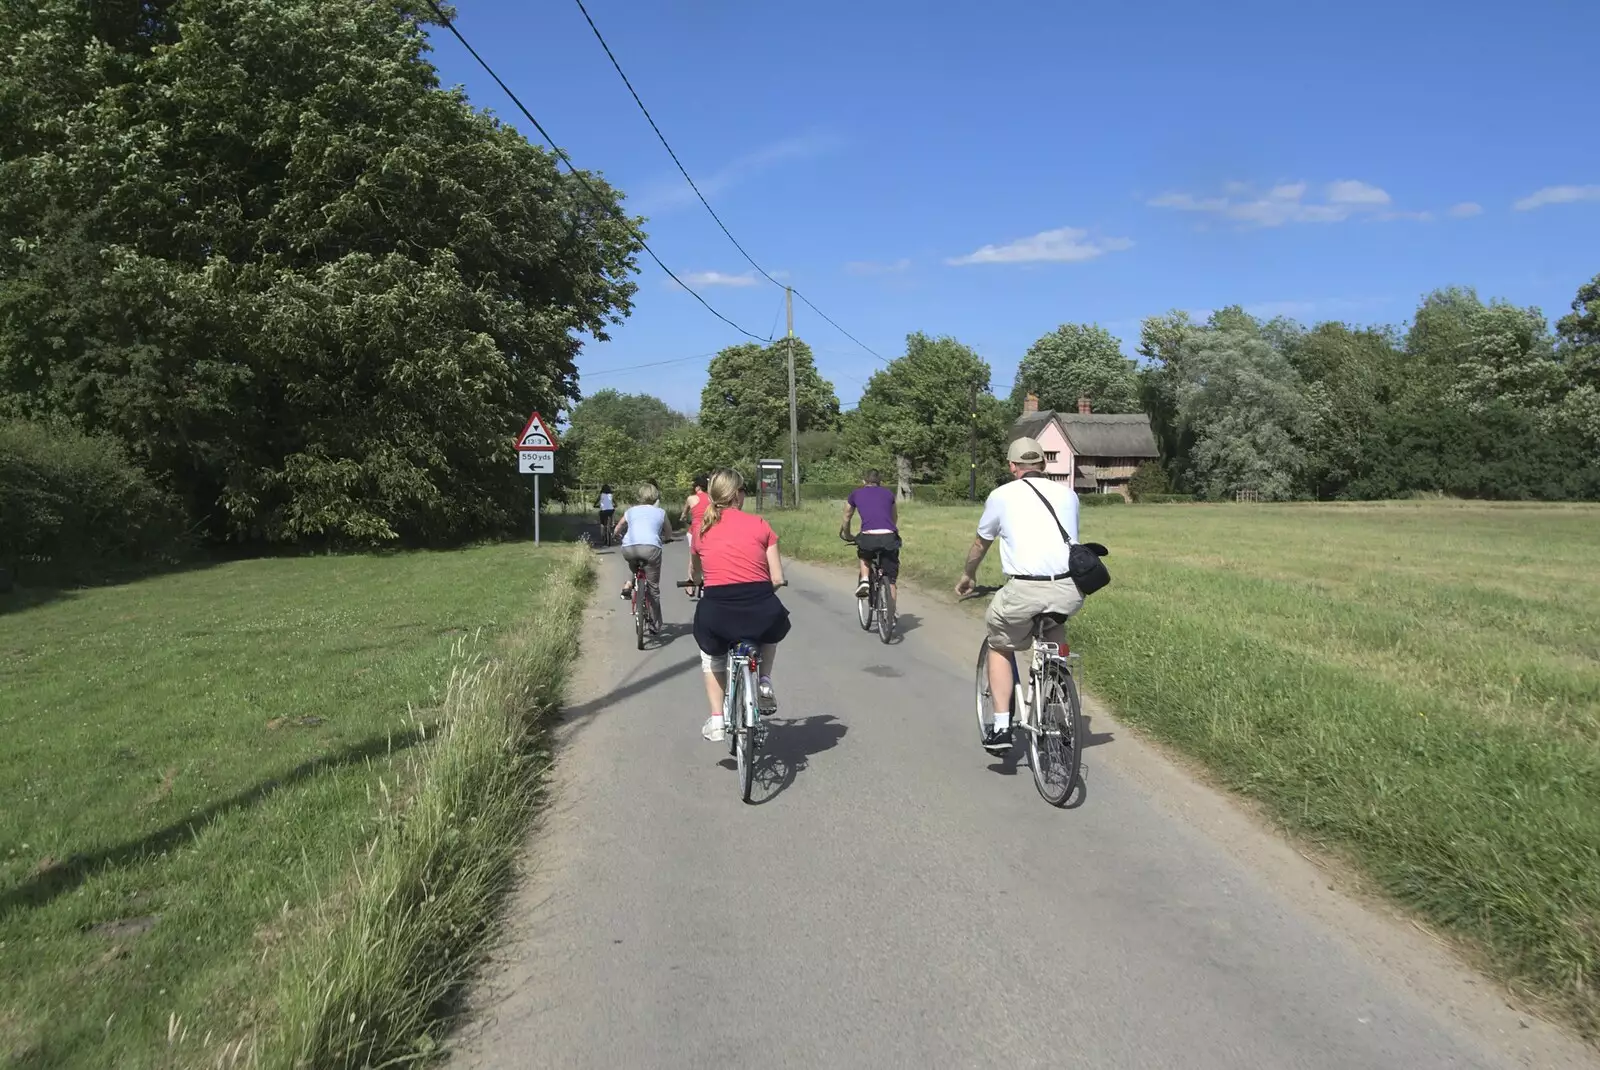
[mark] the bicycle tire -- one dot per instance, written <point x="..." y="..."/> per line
<point x="1055" y="747"/>
<point x="730" y="706"/>
<point x="885" y="612"/>
<point x="749" y="741"/>
<point x="864" y="606"/>
<point x="640" y="603"/>
<point x="981" y="696"/>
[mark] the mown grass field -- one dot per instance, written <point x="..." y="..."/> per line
<point x="1412" y="686"/>
<point x="193" y="764"/>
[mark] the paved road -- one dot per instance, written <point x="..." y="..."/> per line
<point x="899" y="898"/>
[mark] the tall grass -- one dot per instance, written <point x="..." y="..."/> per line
<point x="1413" y="686"/>
<point x="377" y="980"/>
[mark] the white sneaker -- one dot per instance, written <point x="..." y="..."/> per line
<point x="712" y="730"/>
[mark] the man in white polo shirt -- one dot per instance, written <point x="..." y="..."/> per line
<point x="1034" y="557"/>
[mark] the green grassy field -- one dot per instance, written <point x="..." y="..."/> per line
<point x="1412" y="686"/>
<point x="193" y="762"/>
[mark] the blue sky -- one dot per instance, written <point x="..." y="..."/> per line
<point x="990" y="171"/>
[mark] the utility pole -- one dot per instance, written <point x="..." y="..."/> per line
<point x="794" y="418"/>
<point x="972" y="443"/>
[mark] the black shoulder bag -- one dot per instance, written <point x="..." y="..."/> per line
<point x="1088" y="572"/>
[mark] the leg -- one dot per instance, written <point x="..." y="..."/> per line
<point x="1000" y="683"/>
<point x="715" y="670"/>
<point x="652" y="575"/>
<point x="716" y="690"/>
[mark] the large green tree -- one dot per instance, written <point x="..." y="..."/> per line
<point x="643" y="417"/>
<point x="1078" y="360"/>
<point x="745" y="403"/>
<point x="312" y="290"/>
<point x="917" y="409"/>
<point x="1241" y="399"/>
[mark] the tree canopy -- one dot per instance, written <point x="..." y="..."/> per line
<point x="1077" y="360"/>
<point x="309" y="289"/>
<point x="745" y="403"/>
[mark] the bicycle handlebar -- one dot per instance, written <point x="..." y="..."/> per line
<point x="696" y="583"/>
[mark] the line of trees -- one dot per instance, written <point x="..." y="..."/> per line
<point x="1471" y="399"/>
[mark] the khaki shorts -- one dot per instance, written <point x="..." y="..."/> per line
<point x="1011" y="612"/>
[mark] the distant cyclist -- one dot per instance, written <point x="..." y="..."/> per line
<point x="1035" y="560"/>
<point x="880" y="531"/>
<point x="643" y="529"/>
<point x="739" y="554"/>
<point x="608" y="508"/>
<point x="694" y="507"/>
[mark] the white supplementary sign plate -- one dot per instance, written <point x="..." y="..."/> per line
<point x="537" y="463"/>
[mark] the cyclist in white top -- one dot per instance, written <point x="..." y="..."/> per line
<point x="644" y="529"/>
<point x="1034" y="558"/>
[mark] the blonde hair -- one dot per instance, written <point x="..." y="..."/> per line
<point x="724" y="489"/>
<point x="647" y="494"/>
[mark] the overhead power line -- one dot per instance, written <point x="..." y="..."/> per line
<point x="600" y="201"/>
<point x="652" y="364"/>
<point x="685" y="172"/>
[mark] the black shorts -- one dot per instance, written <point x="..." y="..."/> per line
<point x="739" y="612"/>
<point x="889" y="545"/>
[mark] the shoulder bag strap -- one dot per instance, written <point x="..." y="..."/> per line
<point x="1064" y="536"/>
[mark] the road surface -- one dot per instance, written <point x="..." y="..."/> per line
<point x="900" y="898"/>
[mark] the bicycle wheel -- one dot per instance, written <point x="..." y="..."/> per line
<point x="749" y="741"/>
<point x="884" y="611"/>
<point x="864" y="606"/>
<point x="984" y="700"/>
<point x="1055" y="747"/>
<point x="640" y="601"/>
<point x="731" y="707"/>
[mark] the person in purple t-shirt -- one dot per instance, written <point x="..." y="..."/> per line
<point x="879" y="531"/>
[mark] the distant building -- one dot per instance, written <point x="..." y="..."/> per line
<point x="1098" y="452"/>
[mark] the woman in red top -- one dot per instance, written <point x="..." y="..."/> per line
<point x="694" y="508"/>
<point x="739" y="557"/>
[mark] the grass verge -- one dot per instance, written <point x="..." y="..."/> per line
<point x="1413" y="686"/>
<point x="196" y="763"/>
<point x="378" y="986"/>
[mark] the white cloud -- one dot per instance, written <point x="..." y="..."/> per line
<point x="1062" y="245"/>
<point x="1465" y="209"/>
<point x="1557" y="195"/>
<point x="878" y="267"/>
<point x="673" y="192"/>
<point x="1349" y="191"/>
<point x="701" y="279"/>
<point x="1287" y="203"/>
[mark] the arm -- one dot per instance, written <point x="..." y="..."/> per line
<point x="774" y="564"/>
<point x="683" y="514"/>
<point x="620" y="526"/>
<point x="894" y="512"/>
<point x="666" y="530"/>
<point x="975" y="555"/>
<point x="849" y="511"/>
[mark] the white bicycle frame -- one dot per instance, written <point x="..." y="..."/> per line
<point x="1025" y="703"/>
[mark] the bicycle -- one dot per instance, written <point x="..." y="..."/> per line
<point x="878" y="606"/>
<point x="1047" y="710"/>
<point x="646" y="610"/>
<point x="741" y="713"/>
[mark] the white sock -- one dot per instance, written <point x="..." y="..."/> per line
<point x="1002" y="720"/>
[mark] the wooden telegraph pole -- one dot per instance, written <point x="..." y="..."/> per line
<point x="794" y="420"/>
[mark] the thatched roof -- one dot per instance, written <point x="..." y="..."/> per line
<point x="1094" y="434"/>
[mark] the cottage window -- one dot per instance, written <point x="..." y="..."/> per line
<point x="1050" y="456"/>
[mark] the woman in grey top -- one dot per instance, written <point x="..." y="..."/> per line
<point x="644" y="529"/>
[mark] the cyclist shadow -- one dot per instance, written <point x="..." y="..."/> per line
<point x="787" y="751"/>
<point x="1008" y="763"/>
<point x="669" y="632"/>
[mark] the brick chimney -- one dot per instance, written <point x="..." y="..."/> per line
<point x="1083" y="405"/>
<point x="1031" y="405"/>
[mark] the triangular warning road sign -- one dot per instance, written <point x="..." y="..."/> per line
<point x="536" y="436"/>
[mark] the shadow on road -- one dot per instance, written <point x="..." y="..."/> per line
<point x="903" y="624"/>
<point x="1091" y="738"/>
<point x="629" y="686"/>
<point x="788" y="750"/>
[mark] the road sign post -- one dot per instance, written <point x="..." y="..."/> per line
<point x="536" y="456"/>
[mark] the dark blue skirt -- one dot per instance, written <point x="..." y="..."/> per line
<point x="739" y="613"/>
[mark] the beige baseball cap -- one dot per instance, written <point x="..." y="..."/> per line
<point x="1025" y="451"/>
